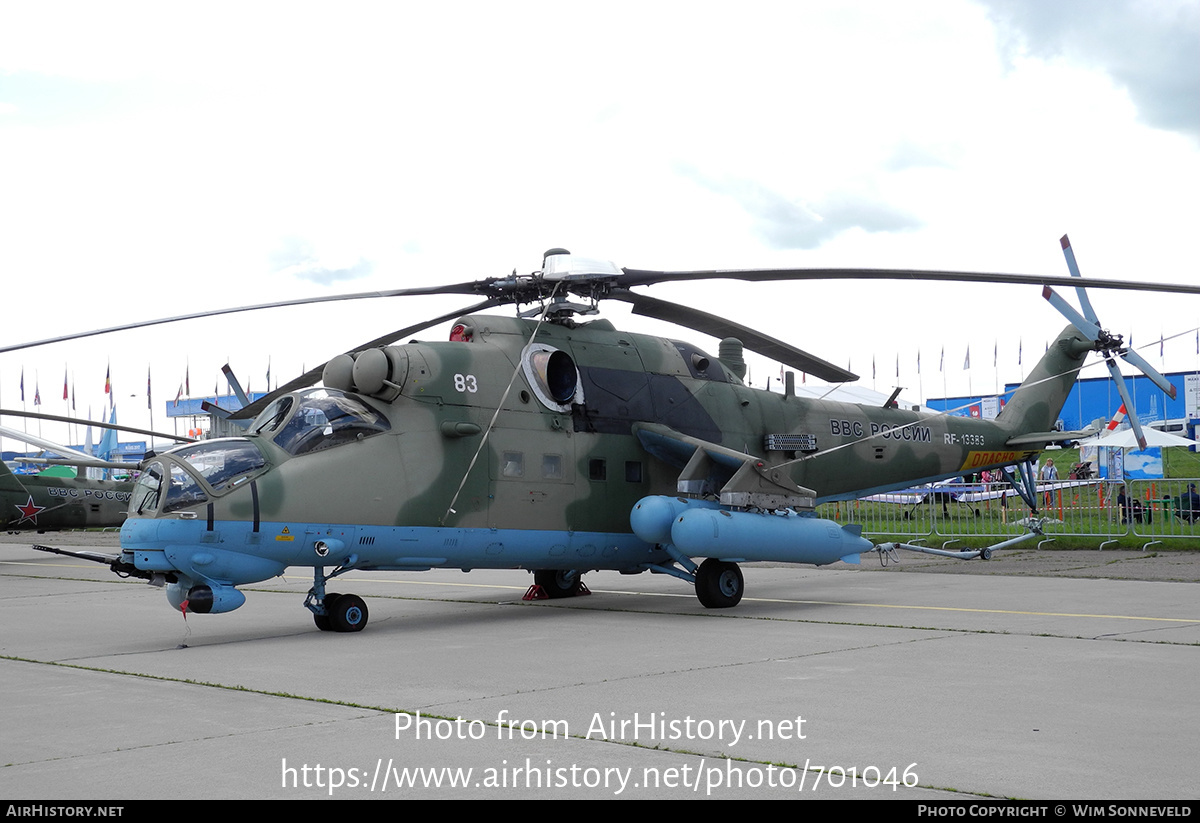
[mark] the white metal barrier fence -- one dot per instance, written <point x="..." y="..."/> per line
<point x="1148" y="509"/>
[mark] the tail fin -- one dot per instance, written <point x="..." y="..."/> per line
<point x="9" y="481"/>
<point x="1036" y="404"/>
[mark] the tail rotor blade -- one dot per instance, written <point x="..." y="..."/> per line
<point x="1136" y="360"/>
<point x="1126" y="400"/>
<point x="1073" y="266"/>
<point x="1089" y="327"/>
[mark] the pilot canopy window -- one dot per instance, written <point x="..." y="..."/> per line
<point x="324" y="418"/>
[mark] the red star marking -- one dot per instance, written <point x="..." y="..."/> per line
<point x="29" y="511"/>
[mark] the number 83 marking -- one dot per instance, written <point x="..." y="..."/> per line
<point x="465" y="383"/>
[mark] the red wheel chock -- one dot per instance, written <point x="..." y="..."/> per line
<point x="536" y="592"/>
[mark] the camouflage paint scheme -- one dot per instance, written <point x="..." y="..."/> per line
<point x="553" y="486"/>
<point x="42" y="503"/>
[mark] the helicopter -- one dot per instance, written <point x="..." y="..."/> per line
<point x="43" y="502"/>
<point x="51" y="502"/>
<point x="561" y="445"/>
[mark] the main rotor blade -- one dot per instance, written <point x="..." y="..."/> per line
<point x="1126" y="400"/>
<point x="720" y="327"/>
<point x="1139" y="362"/>
<point x="1073" y="267"/>
<point x="251" y="410"/>
<point x="476" y="287"/>
<point x="641" y="277"/>
<point x="1088" y="327"/>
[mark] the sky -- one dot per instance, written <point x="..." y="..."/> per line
<point x="159" y="159"/>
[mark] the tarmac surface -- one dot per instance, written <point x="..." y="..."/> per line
<point x="1039" y="675"/>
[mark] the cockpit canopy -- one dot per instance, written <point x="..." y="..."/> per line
<point x="186" y="476"/>
<point x="318" y="419"/>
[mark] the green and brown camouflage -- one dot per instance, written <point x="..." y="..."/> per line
<point x="476" y="438"/>
<point x="42" y="502"/>
<point x="555" y="447"/>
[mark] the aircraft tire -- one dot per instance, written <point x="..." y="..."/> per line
<point x="348" y="613"/>
<point x="323" y="621"/>
<point x="719" y="585"/>
<point x="556" y="582"/>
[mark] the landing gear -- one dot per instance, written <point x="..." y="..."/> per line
<point x="348" y="613"/>
<point x="333" y="612"/>
<point x="322" y="620"/>
<point x="719" y="585"/>
<point x="559" y="583"/>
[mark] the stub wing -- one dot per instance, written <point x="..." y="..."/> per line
<point x="738" y="479"/>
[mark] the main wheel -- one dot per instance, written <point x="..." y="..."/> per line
<point x="348" y="613"/>
<point x="719" y="585"/>
<point x="558" y="583"/>
<point x="323" y="621"/>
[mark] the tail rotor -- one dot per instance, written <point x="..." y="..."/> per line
<point x="1107" y="345"/>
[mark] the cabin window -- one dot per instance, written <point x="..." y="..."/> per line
<point x="597" y="470"/>
<point x="552" y="466"/>
<point x="222" y="463"/>
<point x="183" y="492"/>
<point x="147" y="490"/>
<point x="633" y="471"/>
<point x="513" y="464"/>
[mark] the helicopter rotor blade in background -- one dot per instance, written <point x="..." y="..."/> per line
<point x="719" y="327"/>
<point x="251" y="410"/>
<point x="57" y="418"/>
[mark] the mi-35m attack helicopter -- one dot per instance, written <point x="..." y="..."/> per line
<point x="547" y="443"/>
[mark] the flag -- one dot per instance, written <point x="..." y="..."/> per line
<point x="1160" y="345"/>
<point x="108" y="380"/>
<point x="65" y="394"/>
<point x="1018" y="351"/>
<point x="995" y="353"/>
<point x="73" y="396"/>
<point x="23" y="378"/>
<point x="942" y="360"/>
<point x="148" y="389"/>
<point x="967" y="361"/>
<point x="178" y="395"/>
<point x="918" y="361"/>
<point x="187" y="379"/>
<point x="897" y="366"/>
<point x="108" y="440"/>
<point x="872" y="367"/>
<point x="37" y="394"/>
<point x="269" y="373"/>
